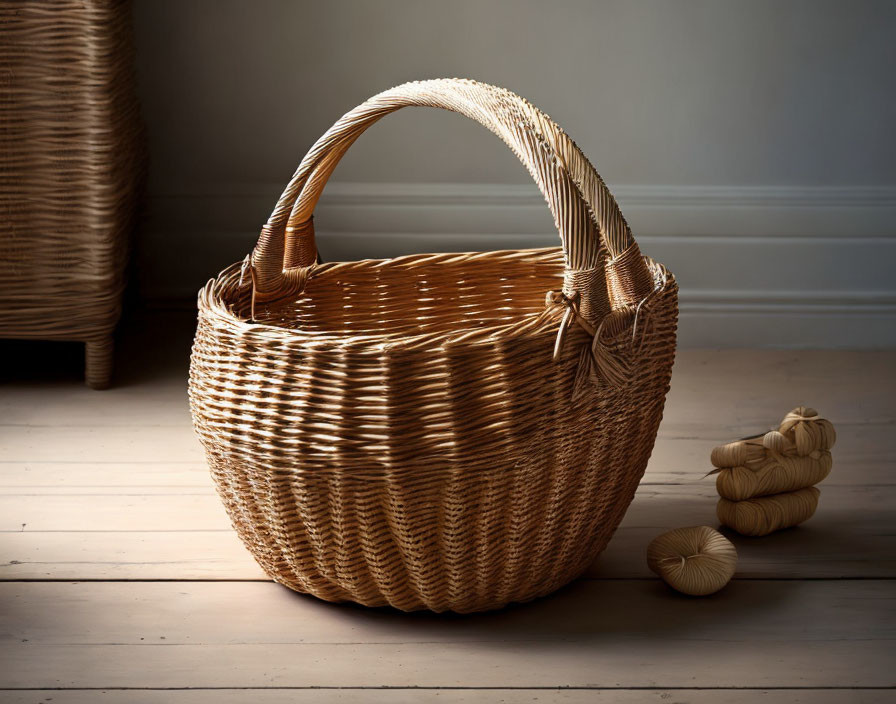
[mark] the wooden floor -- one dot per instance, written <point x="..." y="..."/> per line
<point x="122" y="580"/>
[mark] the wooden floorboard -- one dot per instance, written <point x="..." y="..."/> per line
<point x="625" y="663"/>
<point x="413" y="695"/>
<point x="112" y="488"/>
<point x="494" y="695"/>
<point x="728" y="390"/>
<point x="189" y="509"/>
<point x="864" y="453"/>
<point x="591" y="634"/>
<point x="183" y="532"/>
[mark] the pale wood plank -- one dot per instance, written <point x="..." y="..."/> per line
<point x="111" y="478"/>
<point x="172" y="535"/>
<point x="137" y="555"/>
<point x="863" y="508"/>
<point x="745" y="389"/>
<point x="864" y="453"/>
<point x="162" y="403"/>
<point x="754" y="387"/>
<point x="801" y="553"/>
<point x="98" y="444"/>
<point x="130" y="477"/>
<point x="595" y="634"/>
<point x="451" y="696"/>
<point x="590" y="613"/>
<point x="626" y="663"/>
<point x="865" y="511"/>
<point x="119" y="512"/>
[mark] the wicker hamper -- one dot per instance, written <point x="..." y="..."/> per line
<point x="70" y="164"/>
<point x="439" y="431"/>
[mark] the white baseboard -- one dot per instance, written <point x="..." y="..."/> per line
<point x="757" y="266"/>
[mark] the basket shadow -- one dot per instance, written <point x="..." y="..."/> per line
<point x="619" y="597"/>
<point x="154" y="347"/>
<point x="588" y="610"/>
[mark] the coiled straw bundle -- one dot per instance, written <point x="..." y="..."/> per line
<point x="767" y="514"/>
<point x="695" y="561"/>
<point x="765" y="482"/>
<point x="773" y="474"/>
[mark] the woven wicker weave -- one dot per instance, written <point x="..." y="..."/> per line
<point x="430" y="431"/>
<point x="70" y="162"/>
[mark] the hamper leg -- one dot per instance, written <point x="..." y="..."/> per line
<point x="98" y="363"/>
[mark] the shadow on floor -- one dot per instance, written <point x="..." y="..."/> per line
<point x="585" y="610"/>
<point x="148" y="346"/>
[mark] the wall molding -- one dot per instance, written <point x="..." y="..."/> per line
<point x="782" y="266"/>
<point x="407" y="193"/>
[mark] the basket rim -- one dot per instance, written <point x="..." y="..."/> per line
<point x="219" y="312"/>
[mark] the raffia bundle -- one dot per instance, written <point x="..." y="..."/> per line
<point x="772" y="473"/>
<point x="766" y="514"/>
<point x="765" y="481"/>
<point x="697" y="560"/>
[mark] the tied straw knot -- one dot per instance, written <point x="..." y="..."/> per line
<point x="556" y="298"/>
<point x="604" y="360"/>
<point x="570" y="303"/>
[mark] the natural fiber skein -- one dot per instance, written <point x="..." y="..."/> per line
<point x="795" y="456"/>
<point x="778" y="473"/>
<point x="766" y="514"/>
<point x="695" y="561"/>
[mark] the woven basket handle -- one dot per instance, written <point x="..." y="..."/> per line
<point x="584" y="212"/>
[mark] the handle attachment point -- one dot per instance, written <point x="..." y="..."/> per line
<point x="628" y="279"/>
<point x="301" y="250"/>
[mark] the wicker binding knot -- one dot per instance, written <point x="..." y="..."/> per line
<point x="393" y="431"/>
<point x="608" y="358"/>
<point x="766" y="482"/>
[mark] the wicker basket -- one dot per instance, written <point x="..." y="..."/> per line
<point x="432" y="431"/>
<point x="71" y="157"/>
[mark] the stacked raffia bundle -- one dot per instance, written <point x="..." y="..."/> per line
<point x="767" y="482"/>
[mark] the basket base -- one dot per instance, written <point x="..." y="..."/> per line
<point x="464" y="606"/>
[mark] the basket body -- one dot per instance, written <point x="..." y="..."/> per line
<point x="434" y="431"/>
<point x="71" y="158"/>
<point x="448" y="469"/>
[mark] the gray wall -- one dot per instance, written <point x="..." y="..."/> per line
<point x="751" y="143"/>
